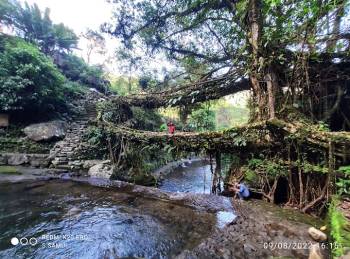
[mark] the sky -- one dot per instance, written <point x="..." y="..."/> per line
<point x="77" y="14"/>
<point x="80" y="15"/>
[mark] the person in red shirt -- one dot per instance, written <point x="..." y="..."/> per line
<point x="171" y="127"/>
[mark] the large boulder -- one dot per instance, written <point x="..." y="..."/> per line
<point x="101" y="170"/>
<point x="46" y="131"/>
<point x="87" y="164"/>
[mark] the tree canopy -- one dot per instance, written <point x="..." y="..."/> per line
<point x="36" y="27"/>
<point x="57" y="41"/>
<point x="278" y="44"/>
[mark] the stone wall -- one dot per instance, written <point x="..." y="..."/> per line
<point x="15" y="159"/>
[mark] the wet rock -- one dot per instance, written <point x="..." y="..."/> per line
<point x="317" y="235"/>
<point x="248" y="248"/>
<point x="73" y="212"/>
<point x="315" y="252"/>
<point x="225" y="253"/>
<point x="90" y="163"/>
<point x="101" y="170"/>
<point x="3" y="159"/>
<point x="34" y="185"/>
<point x="17" y="159"/>
<point x="46" y="131"/>
<point x="39" y="160"/>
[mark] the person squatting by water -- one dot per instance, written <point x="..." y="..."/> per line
<point x="171" y="127"/>
<point x="240" y="190"/>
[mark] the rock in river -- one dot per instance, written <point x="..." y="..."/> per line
<point x="317" y="235"/>
<point x="46" y="131"/>
<point x="101" y="170"/>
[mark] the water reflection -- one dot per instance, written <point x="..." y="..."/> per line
<point x="73" y="220"/>
<point x="195" y="177"/>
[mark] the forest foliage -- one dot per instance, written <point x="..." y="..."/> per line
<point x="28" y="78"/>
<point x="37" y="66"/>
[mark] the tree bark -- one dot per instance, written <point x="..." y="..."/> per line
<point x="254" y="35"/>
<point x="270" y="82"/>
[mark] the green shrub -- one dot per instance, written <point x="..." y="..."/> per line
<point x="202" y="119"/>
<point x="76" y="69"/>
<point x="270" y="167"/>
<point x="340" y="229"/>
<point x="343" y="183"/>
<point x="146" y="119"/>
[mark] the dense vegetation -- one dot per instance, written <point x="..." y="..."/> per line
<point x="28" y="79"/>
<point x="38" y="70"/>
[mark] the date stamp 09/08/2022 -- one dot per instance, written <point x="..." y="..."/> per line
<point x="298" y="245"/>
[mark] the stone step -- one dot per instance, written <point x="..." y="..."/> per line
<point x="61" y="155"/>
<point x="67" y="149"/>
<point x="58" y="163"/>
<point x="61" y="159"/>
<point x="65" y="167"/>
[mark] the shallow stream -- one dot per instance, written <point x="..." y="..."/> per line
<point x="74" y="220"/>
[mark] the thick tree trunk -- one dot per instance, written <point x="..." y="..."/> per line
<point x="271" y="90"/>
<point x="254" y="35"/>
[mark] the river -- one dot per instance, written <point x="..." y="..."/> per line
<point x="75" y="218"/>
<point x="195" y="177"/>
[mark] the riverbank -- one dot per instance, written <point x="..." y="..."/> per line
<point x="262" y="232"/>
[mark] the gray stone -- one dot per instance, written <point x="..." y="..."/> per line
<point x="248" y="248"/>
<point x="346" y="254"/>
<point x="90" y="163"/>
<point x="101" y="171"/>
<point x="3" y="159"/>
<point x="317" y="235"/>
<point x="17" y="159"/>
<point x="38" y="160"/>
<point x="315" y="252"/>
<point x="105" y="162"/>
<point x="46" y="131"/>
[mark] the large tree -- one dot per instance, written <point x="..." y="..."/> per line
<point x="277" y="44"/>
<point x="36" y="27"/>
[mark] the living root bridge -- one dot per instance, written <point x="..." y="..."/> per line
<point x="241" y="139"/>
<point x="254" y="137"/>
<point x="197" y="92"/>
<point x="305" y="186"/>
<point x="339" y="142"/>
